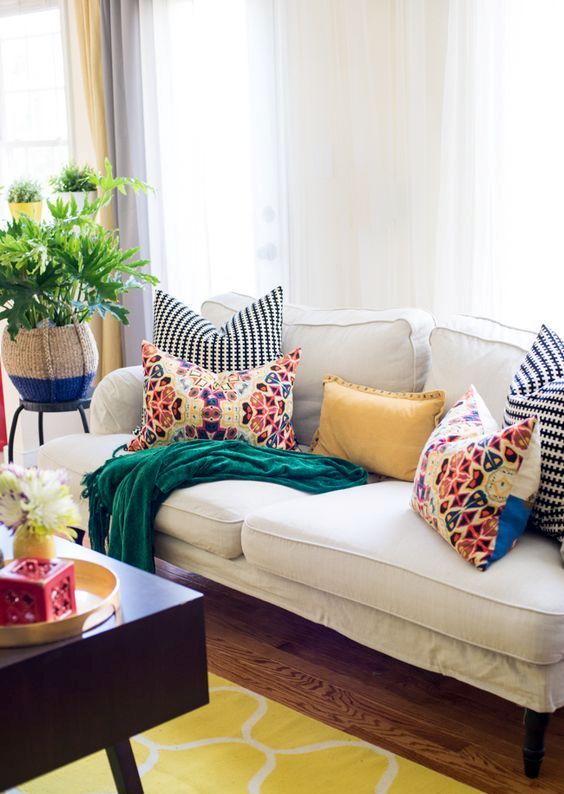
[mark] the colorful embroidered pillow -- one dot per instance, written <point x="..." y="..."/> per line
<point x="184" y="401"/>
<point x="251" y="338"/>
<point x="538" y="390"/>
<point x="475" y="486"/>
<point x="382" y="431"/>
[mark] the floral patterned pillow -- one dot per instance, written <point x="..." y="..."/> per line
<point x="184" y="401"/>
<point x="475" y="484"/>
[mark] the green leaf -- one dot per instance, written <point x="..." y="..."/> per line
<point x="69" y="267"/>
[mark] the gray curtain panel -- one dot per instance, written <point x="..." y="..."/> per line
<point x="121" y="55"/>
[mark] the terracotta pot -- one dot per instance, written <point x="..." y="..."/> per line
<point x="31" y="208"/>
<point x="52" y="364"/>
<point x="28" y="544"/>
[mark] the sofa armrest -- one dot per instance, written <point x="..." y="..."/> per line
<point x="117" y="403"/>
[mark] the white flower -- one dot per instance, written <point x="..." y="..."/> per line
<point x="12" y="512"/>
<point x="10" y="479"/>
<point x="11" y="509"/>
<point x="38" y="500"/>
<point x="49" y="507"/>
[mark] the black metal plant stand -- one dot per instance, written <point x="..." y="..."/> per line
<point x="46" y="408"/>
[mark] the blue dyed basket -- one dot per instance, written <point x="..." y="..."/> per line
<point x="53" y="364"/>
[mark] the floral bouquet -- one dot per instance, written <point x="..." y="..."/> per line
<point x="36" y="504"/>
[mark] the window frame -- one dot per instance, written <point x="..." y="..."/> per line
<point x="13" y="8"/>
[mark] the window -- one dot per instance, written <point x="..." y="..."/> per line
<point x="33" y="113"/>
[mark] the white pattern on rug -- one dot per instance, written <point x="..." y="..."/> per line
<point x="255" y="785"/>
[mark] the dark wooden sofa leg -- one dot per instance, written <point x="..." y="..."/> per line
<point x="533" y="748"/>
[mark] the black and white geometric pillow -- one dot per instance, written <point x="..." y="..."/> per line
<point x="250" y="338"/>
<point x="538" y="390"/>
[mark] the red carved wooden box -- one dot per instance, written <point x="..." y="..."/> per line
<point x="33" y="590"/>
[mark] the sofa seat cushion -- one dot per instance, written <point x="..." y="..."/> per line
<point x="366" y="545"/>
<point x="209" y="516"/>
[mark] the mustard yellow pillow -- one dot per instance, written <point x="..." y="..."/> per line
<point x="382" y="431"/>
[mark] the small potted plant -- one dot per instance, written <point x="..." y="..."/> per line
<point x="25" y="198"/>
<point x="36" y="505"/>
<point x="75" y="181"/>
<point x="54" y="276"/>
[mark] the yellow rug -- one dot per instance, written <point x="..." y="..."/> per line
<point x="243" y="743"/>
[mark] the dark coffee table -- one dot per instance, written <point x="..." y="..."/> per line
<point x="62" y="701"/>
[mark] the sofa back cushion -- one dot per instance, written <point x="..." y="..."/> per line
<point x="386" y="349"/>
<point x="467" y="350"/>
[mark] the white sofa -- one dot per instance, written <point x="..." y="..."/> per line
<point x="359" y="560"/>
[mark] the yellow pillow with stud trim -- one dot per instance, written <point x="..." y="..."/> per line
<point x="382" y="431"/>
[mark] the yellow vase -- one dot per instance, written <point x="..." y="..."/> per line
<point x="31" y="208"/>
<point x="28" y="544"/>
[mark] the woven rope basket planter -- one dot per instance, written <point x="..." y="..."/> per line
<point x="54" y="364"/>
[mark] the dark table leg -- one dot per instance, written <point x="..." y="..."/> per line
<point x="124" y="768"/>
<point x="11" y="440"/>
<point x="40" y="428"/>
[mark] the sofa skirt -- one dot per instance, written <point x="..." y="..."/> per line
<point x="533" y="686"/>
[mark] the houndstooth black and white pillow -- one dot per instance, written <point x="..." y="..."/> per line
<point x="538" y="390"/>
<point x="250" y="338"/>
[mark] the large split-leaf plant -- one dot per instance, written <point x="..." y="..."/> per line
<point x="64" y="270"/>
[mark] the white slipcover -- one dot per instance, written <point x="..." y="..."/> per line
<point x="535" y="686"/>
<point x="360" y="560"/>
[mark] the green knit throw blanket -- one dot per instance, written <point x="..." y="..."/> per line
<point x="128" y="490"/>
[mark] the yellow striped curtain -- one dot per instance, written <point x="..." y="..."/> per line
<point x="85" y="53"/>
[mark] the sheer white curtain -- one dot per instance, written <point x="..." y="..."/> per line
<point x="362" y="152"/>
<point x="499" y="236"/>
<point x="294" y="143"/>
<point x="425" y="155"/>
<point x="212" y="145"/>
<point x="467" y="274"/>
<point x="531" y="229"/>
<point x="362" y="83"/>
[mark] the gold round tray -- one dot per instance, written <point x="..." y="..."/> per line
<point x="97" y="599"/>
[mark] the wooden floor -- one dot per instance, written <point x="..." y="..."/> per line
<point x="435" y="721"/>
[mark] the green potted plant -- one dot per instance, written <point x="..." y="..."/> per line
<point x="25" y="197"/>
<point x="54" y="276"/>
<point x="75" y="181"/>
